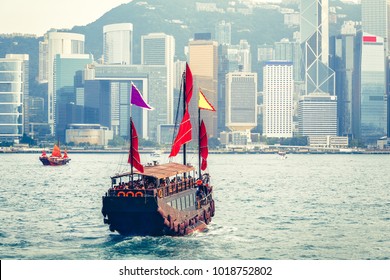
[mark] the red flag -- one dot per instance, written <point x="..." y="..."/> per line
<point x="189" y="84"/>
<point x="204" y="150"/>
<point x="183" y="136"/>
<point x="134" y="158"/>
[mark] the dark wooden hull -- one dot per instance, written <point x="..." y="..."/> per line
<point x="54" y="161"/>
<point x="154" y="216"/>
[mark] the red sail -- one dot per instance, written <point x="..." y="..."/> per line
<point x="56" y="151"/>
<point x="204" y="150"/>
<point x="134" y="158"/>
<point x="183" y="136"/>
<point x="189" y="84"/>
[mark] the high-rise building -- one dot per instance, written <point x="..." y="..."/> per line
<point x="57" y="43"/>
<point x="264" y="53"/>
<point x="203" y="61"/>
<point x="373" y="98"/>
<point x="118" y="43"/>
<point x="159" y="49"/>
<point x="319" y="78"/>
<point x="223" y="33"/>
<point x="14" y="96"/>
<point x="107" y="98"/>
<point x="241" y="101"/>
<point x="289" y="51"/>
<point x="375" y="18"/>
<point x="239" y="57"/>
<point x="65" y="68"/>
<point x="345" y="62"/>
<point x="278" y="99"/>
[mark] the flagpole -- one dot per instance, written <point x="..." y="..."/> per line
<point x="131" y="145"/>
<point x="184" y="110"/>
<point x="199" y="160"/>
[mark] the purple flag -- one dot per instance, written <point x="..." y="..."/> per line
<point x="137" y="99"/>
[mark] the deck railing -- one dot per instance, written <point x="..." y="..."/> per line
<point x="161" y="191"/>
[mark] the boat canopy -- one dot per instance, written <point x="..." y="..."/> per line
<point x="160" y="171"/>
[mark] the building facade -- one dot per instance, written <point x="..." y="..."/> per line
<point x="14" y="96"/>
<point x="118" y="43"/>
<point x="314" y="28"/>
<point x="107" y="98"/>
<point x="278" y="99"/>
<point x="66" y="67"/>
<point x="375" y="18"/>
<point x="241" y="101"/>
<point x="159" y="49"/>
<point x="373" y="97"/>
<point x="317" y="115"/>
<point x="203" y="62"/>
<point x="57" y="43"/>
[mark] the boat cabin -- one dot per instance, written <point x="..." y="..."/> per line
<point x="160" y="180"/>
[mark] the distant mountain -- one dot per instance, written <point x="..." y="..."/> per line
<point x="181" y="19"/>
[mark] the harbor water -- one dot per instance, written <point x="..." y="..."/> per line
<point x="321" y="206"/>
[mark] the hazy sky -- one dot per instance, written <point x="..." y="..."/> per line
<point x="38" y="16"/>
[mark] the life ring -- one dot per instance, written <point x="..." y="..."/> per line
<point x="121" y="194"/>
<point x="130" y="194"/>
<point x="159" y="193"/>
<point x="139" y="194"/>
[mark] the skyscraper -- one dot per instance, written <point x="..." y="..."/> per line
<point x="118" y="43"/>
<point x="278" y="99"/>
<point x="159" y="49"/>
<point x="57" y="43"/>
<point x="223" y="33"/>
<point x="373" y="98"/>
<point x="375" y="18"/>
<point x="203" y="61"/>
<point x="65" y="68"/>
<point x="14" y="96"/>
<point x="241" y="101"/>
<point x="345" y="62"/>
<point x="319" y="78"/>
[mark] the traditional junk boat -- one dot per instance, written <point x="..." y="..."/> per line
<point x="56" y="158"/>
<point x="162" y="199"/>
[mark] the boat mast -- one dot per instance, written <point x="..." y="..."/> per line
<point x="199" y="160"/>
<point x="131" y="148"/>
<point x="184" y="110"/>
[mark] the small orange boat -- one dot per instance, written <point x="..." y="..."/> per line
<point x="56" y="158"/>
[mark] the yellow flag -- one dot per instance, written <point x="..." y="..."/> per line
<point x="204" y="103"/>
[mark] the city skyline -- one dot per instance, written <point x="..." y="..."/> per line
<point x="202" y="65"/>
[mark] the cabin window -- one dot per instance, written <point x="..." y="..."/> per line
<point x="174" y="205"/>
<point x="183" y="202"/>
<point x="192" y="199"/>
<point x="188" y="203"/>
